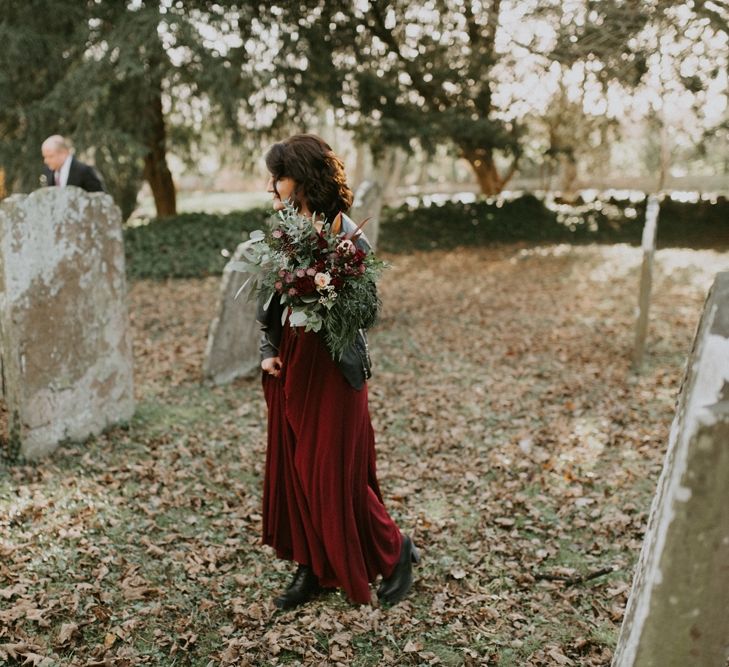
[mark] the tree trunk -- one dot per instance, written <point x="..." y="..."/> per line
<point x="665" y="155"/>
<point x="360" y="166"/>
<point x="569" y="175"/>
<point x="482" y="163"/>
<point x="421" y="179"/>
<point x="394" y="164"/>
<point x="156" y="171"/>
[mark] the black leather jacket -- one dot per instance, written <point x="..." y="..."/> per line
<point x="355" y="363"/>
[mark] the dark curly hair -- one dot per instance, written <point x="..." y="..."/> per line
<point x="316" y="170"/>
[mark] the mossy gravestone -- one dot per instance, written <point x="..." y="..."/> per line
<point x="233" y="337"/>
<point x="64" y="330"/>
<point x="677" y="611"/>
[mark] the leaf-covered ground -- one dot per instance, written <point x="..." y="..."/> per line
<point x="514" y="444"/>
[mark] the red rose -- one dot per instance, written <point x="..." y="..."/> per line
<point x="305" y="285"/>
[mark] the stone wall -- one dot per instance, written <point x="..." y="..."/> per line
<point x="64" y="332"/>
<point x="677" y="611"/>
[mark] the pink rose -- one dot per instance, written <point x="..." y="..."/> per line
<point x="321" y="280"/>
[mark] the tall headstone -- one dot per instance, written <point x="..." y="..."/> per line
<point x="646" y="279"/>
<point x="368" y="204"/>
<point x="64" y="332"/>
<point x="233" y="336"/>
<point x="677" y="610"/>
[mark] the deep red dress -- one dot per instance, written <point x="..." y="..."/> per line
<point x="322" y="505"/>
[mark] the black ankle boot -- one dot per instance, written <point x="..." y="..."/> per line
<point x="302" y="588"/>
<point x="398" y="584"/>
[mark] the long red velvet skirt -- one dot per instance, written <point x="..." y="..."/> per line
<point x="322" y="505"/>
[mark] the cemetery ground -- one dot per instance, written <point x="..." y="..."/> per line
<point x="514" y="443"/>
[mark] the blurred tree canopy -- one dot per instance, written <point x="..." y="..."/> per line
<point x="32" y="62"/>
<point x="435" y="73"/>
<point x="121" y="78"/>
<point x="398" y="72"/>
<point x="130" y="79"/>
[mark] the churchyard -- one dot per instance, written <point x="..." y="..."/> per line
<point x="556" y="451"/>
<point x="514" y="442"/>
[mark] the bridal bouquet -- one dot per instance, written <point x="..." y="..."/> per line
<point x="323" y="280"/>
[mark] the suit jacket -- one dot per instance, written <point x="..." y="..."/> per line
<point x="81" y="175"/>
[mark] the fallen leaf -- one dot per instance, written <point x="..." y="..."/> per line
<point x="68" y="630"/>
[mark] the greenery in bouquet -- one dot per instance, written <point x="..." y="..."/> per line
<point x="323" y="280"/>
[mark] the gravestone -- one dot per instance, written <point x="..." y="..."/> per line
<point x="233" y="337"/>
<point x="368" y="204"/>
<point x="646" y="279"/>
<point x="677" y="610"/>
<point x="65" y="343"/>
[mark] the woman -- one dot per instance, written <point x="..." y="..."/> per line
<point x="322" y="506"/>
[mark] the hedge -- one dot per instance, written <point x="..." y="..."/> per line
<point x="702" y="224"/>
<point x="192" y="244"/>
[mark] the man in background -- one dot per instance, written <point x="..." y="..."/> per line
<point x="62" y="168"/>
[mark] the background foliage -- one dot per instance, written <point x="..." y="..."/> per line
<point x="124" y="80"/>
<point x="505" y="85"/>
<point x="189" y="245"/>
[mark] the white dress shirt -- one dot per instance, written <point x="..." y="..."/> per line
<point x="60" y="177"/>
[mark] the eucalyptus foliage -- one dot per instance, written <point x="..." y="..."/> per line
<point x="322" y="280"/>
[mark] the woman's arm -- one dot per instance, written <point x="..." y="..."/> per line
<point x="270" y="321"/>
